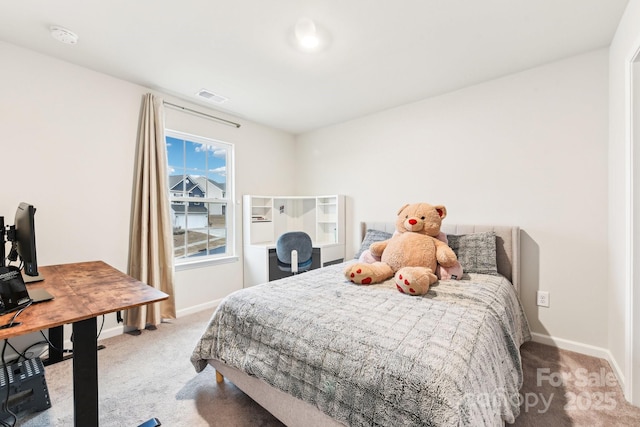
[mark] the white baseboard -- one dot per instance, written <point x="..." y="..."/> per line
<point x="198" y="308"/>
<point x="111" y="332"/>
<point x="119" y="329"/>
<point x="589" y="350"/>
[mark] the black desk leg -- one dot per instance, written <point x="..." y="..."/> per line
<point x="85" y="373"/>
<point x="56" y="344"/>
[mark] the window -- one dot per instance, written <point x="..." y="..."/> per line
<point x="201" y="196"/>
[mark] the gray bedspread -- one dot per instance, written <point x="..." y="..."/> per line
<point x="371" y="356"/>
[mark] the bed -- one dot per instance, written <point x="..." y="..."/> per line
<point x="317" y="350"/>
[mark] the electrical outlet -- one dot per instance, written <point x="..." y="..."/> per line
<point x="543" y="298"/>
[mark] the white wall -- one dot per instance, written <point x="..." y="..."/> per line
<point x="68" y="137"/>
<point x="623" y="47"/>
<point x="528" y="149"/>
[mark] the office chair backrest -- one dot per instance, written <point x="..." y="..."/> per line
<point x="294" y="250"/>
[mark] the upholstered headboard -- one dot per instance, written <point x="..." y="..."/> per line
<point x="507" y="243"/>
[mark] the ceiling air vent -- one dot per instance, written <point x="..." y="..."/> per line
<point x="211" y="97"/>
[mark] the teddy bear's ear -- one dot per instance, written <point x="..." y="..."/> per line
<point x="402" y="208"/>
<point x="442" y="211"/>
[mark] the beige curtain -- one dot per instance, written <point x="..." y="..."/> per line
<point x="151" y="246"/>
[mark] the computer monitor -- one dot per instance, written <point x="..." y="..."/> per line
<point x="25" y="240"/>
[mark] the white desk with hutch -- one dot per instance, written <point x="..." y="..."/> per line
<point x="265" y="218"/>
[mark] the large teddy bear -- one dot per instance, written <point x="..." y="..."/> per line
<point x="449" y="273"/>
<point x="411" y="255"/>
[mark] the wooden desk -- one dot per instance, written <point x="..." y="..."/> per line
<point x="82" y="292"/>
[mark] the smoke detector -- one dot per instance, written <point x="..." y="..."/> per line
<point x="211" y="97"/>
<point x="63" y="35"/>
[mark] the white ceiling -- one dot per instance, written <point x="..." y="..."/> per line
<point x="381" y="54"/>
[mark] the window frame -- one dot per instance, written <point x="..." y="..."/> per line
<point x="227" y="200"/>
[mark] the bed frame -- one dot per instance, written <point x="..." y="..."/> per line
<point x="294" y="412"/>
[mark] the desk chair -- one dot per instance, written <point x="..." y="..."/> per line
<point x="294" y="250"/>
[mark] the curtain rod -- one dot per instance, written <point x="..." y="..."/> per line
<point x="209" y="116"/>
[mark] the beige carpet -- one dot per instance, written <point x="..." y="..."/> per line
<point x="563" y="388"/>
<point x="150" y="376"/>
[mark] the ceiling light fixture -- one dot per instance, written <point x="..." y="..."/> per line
<point x="63" y="35"/>
<point x="307" y="34"/>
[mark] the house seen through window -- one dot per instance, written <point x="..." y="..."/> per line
<point x="201" y="196"/>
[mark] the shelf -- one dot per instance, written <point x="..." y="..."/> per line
<point x="265" y="218"/>
<point x="261" y="210"/>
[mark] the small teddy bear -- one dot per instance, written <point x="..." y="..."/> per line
<point x="411" y="255"/>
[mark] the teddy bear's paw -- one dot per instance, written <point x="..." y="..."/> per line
<point x="376" y="248"/>
<point x="446" y="257"/>
<point x="360" y="274"/>
<point x="414" y="280"/>
<point x="407" y="286"/>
